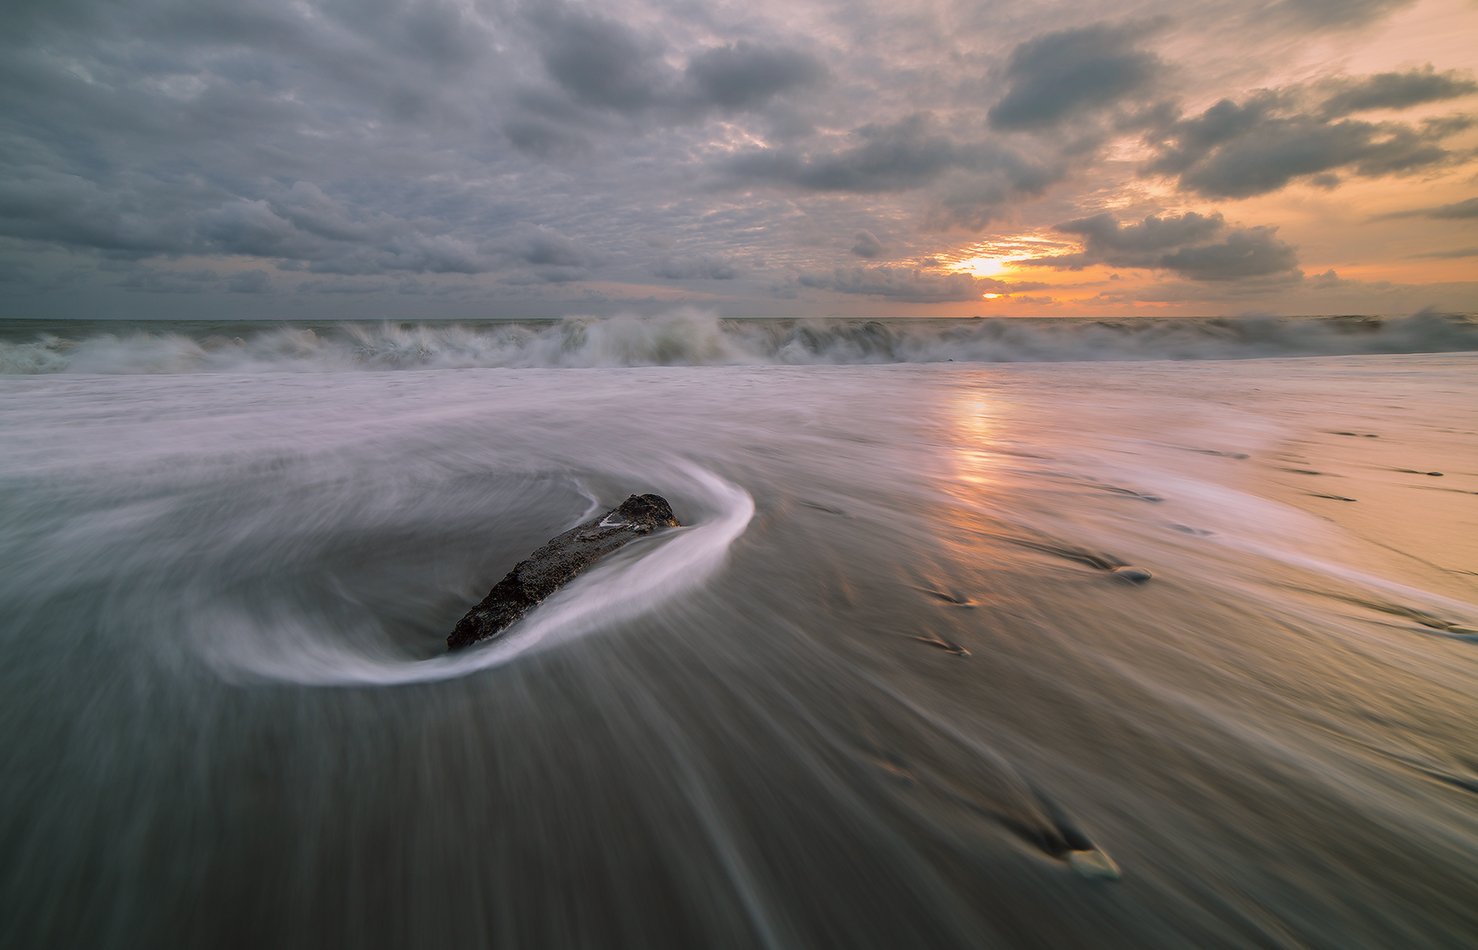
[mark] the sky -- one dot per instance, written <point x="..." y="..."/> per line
<point x="464" y="159"/>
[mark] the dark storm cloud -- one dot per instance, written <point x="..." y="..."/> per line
<point x="1133" y="246"/>
<point x="895" y="156"/>
<point x="1060" y="75"/>
<point x="976" y="179"/>
<point x="172" y="140"/>
<point x="307" y="208"/>
<point x="393" y="59"/>
<point x="996" y="181"/>
<point x="746" y="76"/>
<point x="867" y="245"/>
<point x="1396" y="91"/>
<point x="543" y="247"/>
<point x="600" y="66"/>
<point x="253" y="228"/>
<point x="540" y="137"/>
<point x="304" y="225"/>
<point x="1237" y="150"/>
<point x="1247" y="252"/>
<point x="1200" y="247"/>
<point x="141" y="216"/>
<point x="599" y="62"/>
<point x="56" y="207"/>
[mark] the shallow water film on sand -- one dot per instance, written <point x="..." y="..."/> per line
<point x="1135" y="653"/>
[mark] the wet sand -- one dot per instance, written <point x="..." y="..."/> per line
<point x="890" y="686"/>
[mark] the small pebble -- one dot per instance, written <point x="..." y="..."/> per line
<point x="1137" y="575"/>
<point x="1094" y="865"/>
<point x="948" y="646"/>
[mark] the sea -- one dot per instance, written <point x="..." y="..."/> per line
<point x="976" y="633"/>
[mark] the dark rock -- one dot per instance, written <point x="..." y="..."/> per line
<point x="556" y="563"/>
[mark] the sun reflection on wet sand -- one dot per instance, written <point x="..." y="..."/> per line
<point x="976" y="417"/>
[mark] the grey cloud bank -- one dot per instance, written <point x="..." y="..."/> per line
<point x="1196" y="246"/>
<point x="1062" y="74"/>
<point x="536" y="159"/>
<point x="1236" y="150"/>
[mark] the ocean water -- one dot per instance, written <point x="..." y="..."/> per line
<point x="884" y="689"/>
<point x="695" y="338"/>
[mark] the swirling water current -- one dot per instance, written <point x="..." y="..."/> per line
<point x="878" y="692"/>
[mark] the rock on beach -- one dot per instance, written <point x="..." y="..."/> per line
<point x="556" y="563"/>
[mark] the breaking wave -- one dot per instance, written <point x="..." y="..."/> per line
<point x="693" y="338"/>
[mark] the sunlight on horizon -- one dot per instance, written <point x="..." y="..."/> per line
<point x="983" y="266"/>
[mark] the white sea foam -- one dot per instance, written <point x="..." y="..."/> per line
<point x="625" y="586"/>
<point x="693" y="338"/>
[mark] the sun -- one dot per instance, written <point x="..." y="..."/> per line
<point x="982" y="266"/>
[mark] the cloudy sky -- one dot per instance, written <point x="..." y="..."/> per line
<point x="465" y="158"/>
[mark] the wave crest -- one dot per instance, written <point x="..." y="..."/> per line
<point x="694" y="338"/>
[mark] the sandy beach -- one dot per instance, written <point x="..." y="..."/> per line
<point x="884" y="689"/>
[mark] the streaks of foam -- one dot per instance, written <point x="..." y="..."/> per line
<point x="618" y="590"/>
